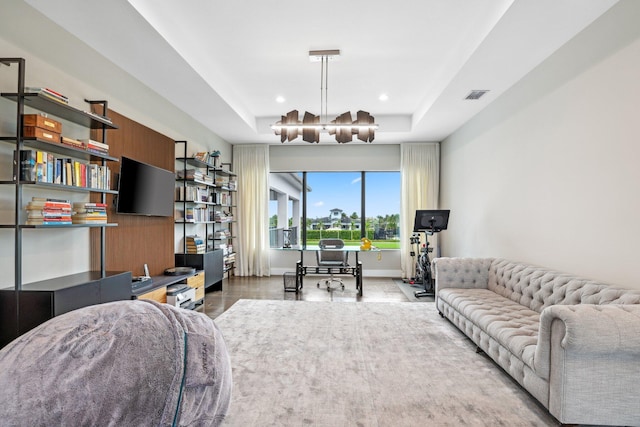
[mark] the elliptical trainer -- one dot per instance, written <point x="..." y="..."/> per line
<point x="428" y="222"/>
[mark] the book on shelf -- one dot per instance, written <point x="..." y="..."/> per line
<point x="73" y="143"/>
<point x="98" y="116"/>
<point x="45" y="222"/>
<point x="40" y="202"/>
<point x="48" y="93"/>
<point x="95" y="146"/>
<point x="89" y="218"/>
<point x="27" y="165"/>
<point x="203" y="156"/>
<point x="221" y="216"/>
<point x="190" y="174"/>
<point x="209" y="158"/>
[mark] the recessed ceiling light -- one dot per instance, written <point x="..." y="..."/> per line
<point x="383" y="97"/>
<point x="280" y="99"/>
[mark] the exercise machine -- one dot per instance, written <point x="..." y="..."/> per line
<point x="428" y="222"/>
<point x="422" y="275"/>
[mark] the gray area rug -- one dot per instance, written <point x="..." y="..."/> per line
<point x="363" y="364"/>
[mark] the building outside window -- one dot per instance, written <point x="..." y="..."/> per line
<point x="334" y="208"/>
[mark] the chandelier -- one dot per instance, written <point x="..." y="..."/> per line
<point x="343" y="126"/>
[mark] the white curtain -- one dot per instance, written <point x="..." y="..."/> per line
<point x="420" y="183"/>
<point x="251" y="164"/>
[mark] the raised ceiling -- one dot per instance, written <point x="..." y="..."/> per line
<point x="225" y="62"/>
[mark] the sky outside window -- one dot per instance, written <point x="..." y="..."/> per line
<point x="341" y="190"/>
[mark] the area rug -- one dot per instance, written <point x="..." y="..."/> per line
<point x="408" y="290"/>
<point x="363" y="364"/>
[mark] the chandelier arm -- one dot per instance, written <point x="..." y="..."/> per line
<point x="322" y="89"/>
<point x="326" y="87"/>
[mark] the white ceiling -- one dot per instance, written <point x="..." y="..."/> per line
<point x="225" y="62"/>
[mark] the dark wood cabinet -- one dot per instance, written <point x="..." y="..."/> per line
<point x="210" y="262"/>
<point x="37" y="302"/>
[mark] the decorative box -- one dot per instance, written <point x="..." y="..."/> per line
<point x="40" y="134"/>
<point x="42" y="122"/>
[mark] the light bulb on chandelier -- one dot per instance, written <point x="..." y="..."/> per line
<point x="343" y="126"/>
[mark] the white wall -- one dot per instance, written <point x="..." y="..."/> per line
<point x="56" y="59"/>
<point x="332" y="157"/>
<point x="549" y="173"/>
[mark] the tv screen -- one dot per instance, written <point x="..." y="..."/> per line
<point x="144" y="189"/>
<point x="431" y="220"/>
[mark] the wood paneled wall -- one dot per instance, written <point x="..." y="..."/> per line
<point x="137" y="240"/>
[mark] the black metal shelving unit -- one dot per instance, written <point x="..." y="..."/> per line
<point x="19" y="313"/>
<point x="211" y="261"/>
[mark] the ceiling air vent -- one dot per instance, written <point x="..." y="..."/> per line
<point x="476" y="94"/>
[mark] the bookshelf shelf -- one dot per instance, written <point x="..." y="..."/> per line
<point x="195" y="202"/>
<point x="36" y="144"/>
<point x="64" y="111"/>
<point x="62" y="187"/>
<point x="195" y="222"/>
<point x="195" y="182"/>
<point x="25" y="226"/>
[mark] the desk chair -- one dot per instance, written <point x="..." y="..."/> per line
<point x="333" y="259"/>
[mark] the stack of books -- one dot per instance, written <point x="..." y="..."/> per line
<point x="195" y="245"/>
<point x="190" y="174"/>
<point x="48" y="93"/>
<point x="96" y="147"/>
<point x="89" y="213"/>
<point x="192" y="194"/>
<point x="73" y="143"/>
<point x="41" y="211"/>
<point x="209" y="158"/>
<point x="222" y="234"/>
<point x="221" y="216"/>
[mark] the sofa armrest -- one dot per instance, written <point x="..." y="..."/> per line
<point x="595" y="329"/>
<point x="461" y="272"/>
<point x="589" y="354"/>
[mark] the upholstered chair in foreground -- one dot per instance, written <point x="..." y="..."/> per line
<point x="126" y="363"/>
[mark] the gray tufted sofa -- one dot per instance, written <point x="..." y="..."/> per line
<point x="574" y="344"/>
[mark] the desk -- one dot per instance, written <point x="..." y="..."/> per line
<point x="302" y="269"/>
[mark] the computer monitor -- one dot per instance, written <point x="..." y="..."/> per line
<point x="431" y="220"/>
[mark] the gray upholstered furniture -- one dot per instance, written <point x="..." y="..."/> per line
<point x="574" y="344"/>
<point x="331" y="256"/>
<point x="126" y="363"/>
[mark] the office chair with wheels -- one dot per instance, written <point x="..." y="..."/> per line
<point x="331" y="256"/>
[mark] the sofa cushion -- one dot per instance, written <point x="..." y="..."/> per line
<point x="511" y="324"/>
<point x="538" y="288"/>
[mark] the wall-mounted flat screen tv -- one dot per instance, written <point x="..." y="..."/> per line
<point x="144" y="189"/>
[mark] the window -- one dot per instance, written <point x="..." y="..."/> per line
<point x="382" y="201"/>
<point x="335" y="202"/>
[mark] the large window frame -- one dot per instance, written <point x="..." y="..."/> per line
<point x="301" y="235"/>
